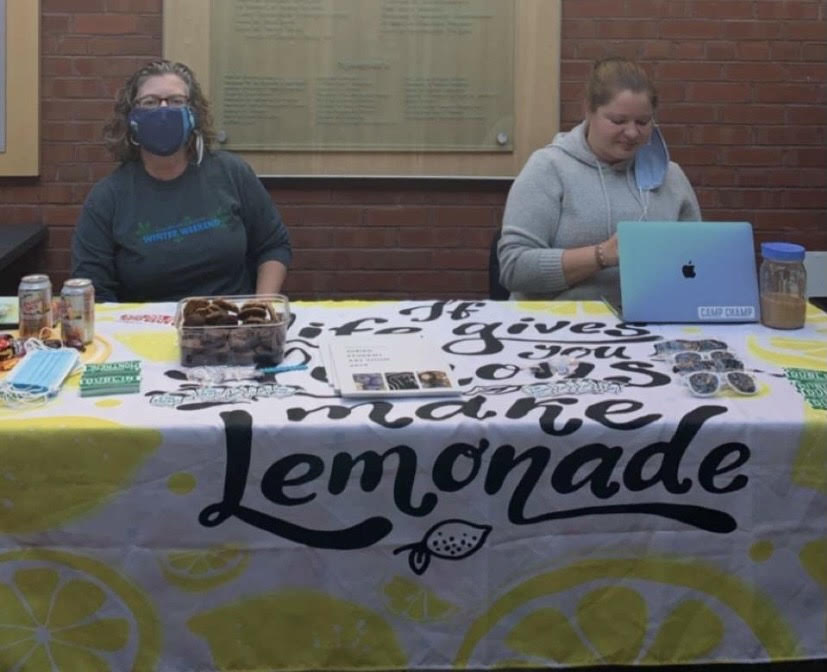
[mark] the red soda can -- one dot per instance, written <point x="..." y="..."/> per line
<point x="77" y="314"/>
<point x="34" y="295"/>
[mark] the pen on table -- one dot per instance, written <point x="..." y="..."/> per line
<point x="282" y="368"/>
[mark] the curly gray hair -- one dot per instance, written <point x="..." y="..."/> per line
<point x="116" y="133"/>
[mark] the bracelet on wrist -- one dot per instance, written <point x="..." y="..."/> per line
<point x="599" y="257"/>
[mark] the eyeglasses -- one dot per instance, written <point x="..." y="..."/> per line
<point x="708" y="383"/>
<point x="152" y="102"/>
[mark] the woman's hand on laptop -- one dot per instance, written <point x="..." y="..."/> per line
<point x="580" y="263"/>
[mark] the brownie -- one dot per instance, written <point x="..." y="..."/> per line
<point x="218" y="331"/>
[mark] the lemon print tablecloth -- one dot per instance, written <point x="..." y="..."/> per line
<point x="576" y="505"/>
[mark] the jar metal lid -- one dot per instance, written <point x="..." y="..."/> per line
<point x="782" y="251"/>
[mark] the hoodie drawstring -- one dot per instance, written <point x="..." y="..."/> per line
<point x="606" y="200"/>
<point x="641" y="194"/>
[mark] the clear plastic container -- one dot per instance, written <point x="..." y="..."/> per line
<point x="783" y="285"/>
<point x="232" y="330"/>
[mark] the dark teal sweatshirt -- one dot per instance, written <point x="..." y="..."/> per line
<point x="204" y="233"/>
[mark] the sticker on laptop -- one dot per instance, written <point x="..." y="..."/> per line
<point x="726" y="313"/>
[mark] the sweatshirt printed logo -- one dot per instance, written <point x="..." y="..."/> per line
<point x="178" y="231"/>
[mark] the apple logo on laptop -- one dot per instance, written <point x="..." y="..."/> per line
<point x="688" y="270"/>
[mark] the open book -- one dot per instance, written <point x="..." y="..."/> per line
<point x="392" y="365"/>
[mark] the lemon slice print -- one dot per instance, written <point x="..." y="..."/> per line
<point x="566" y="308"/>
<point x="298" y="629"/>
<point x="790" y="352"/>
<point x="814" y="559"/>
<point x="810" y="462"/>
<point x="97" y="351"/>
<point x="155" y="346"/>
<point x="61" y="612"/>
<point x="412" y="600"/>
<point x="595" y="612"/>
<point x="816" y="318"/>
<point x="61" y="468"/>
<point x="613" y="622"/>
<point x="203" y="569"/>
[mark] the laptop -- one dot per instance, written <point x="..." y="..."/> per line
<point x="687" y="272"/>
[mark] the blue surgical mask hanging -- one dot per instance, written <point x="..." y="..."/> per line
<point x="162" y="130"/>
<point x="652" y="162"/>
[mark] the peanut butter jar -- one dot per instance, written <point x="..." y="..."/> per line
<point x="783" y="286"/>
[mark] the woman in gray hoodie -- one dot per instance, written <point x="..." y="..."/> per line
<point x="559" y="236"/>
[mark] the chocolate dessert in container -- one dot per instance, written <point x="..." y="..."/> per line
<point x="232" y="330"/>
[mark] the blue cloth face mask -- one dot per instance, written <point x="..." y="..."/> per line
<point x="162" y="130"/>
<point x="652" y="162"/>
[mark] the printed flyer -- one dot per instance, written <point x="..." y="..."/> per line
<point x="388" y="366"/>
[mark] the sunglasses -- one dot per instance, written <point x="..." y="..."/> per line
<point x="665" y="349"/>
<point x="709" y="383"/>
<point x="714" y="360"/>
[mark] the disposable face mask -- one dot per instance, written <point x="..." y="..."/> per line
<point x="162" y="130"/>
<point x="38" y="376"/>
<point x="652" y="162"/>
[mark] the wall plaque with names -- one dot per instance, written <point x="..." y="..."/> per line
<point x="19" y="87"/>
<point x="375" y="88"/>
<point x="354" y="75"/>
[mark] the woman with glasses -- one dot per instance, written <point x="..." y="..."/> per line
<point x="559" y="236"/>
<point x="175" y="219"/>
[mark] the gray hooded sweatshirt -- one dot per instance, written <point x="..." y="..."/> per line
<point x="564" y="197"/>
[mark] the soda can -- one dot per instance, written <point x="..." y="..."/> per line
<point x="77" y="314"/>
<point x="34" y="295"/>
<point x="11" y="348"/>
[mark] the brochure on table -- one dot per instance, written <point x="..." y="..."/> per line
<point x="8" y="312"/>
<point x="400" y="365"/>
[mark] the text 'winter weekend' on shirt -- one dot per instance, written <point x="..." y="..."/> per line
<point x="203" y="233"/>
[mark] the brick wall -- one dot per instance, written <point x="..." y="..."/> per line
<point x="744" y="108"/>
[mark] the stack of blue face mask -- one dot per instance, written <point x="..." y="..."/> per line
<point x="38" y="376"/>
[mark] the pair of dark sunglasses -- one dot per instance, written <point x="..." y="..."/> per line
<point x="665" y="349"/>
<point x="715" y="360"/>
<point x="709" y="383"/>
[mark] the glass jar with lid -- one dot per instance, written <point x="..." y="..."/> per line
<point x="783" y="285"/>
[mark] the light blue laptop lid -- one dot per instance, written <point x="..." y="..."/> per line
<point x="687" y="272"/>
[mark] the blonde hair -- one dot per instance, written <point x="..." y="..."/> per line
<point x="612" y="75"/>
<point x="116" y="133"/>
